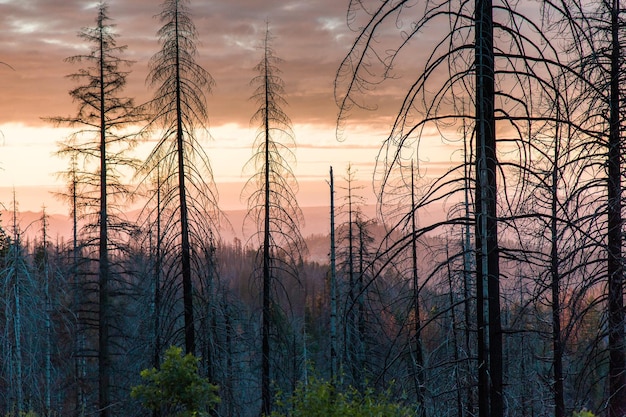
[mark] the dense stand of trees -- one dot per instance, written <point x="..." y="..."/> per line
<point x="510" y="303"/>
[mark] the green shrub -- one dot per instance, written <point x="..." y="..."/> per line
<point x="319" y="398"/>
<point x="176" y="389"/>
<point x="22" y="414"/>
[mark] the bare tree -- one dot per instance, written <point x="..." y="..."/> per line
<point x="355" y="258"/>
<point x="17" y="287"/>
<point x="487" y="254"/>
<point x="596" y="59"/>
<point x="101" y="142"/>
<point x="609" y="62"/>
<point x="179" y="111"/>
<point x="499" y="65"/>
<point x="272" y="202"/>
<point x="334" y="363"/>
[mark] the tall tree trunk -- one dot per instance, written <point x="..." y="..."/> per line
<point x="360" y="287"/>
<point x="487" y="256"/>
<point x="557" y="344"/>
<point x="79" y="343"/>
<point x="48" y="321"/>
<point x="349" y="341"/>
<point x="417" y="338"/>
<point x="157" y="278"/>
<point x="17" y="318"/>
<point x="455" y="344"/>
<point x="333" y="286"/>
<point x="156" y="354"/>
<point x="265" y="366"/>
<point x="467" y="276"/>
<point x="104" y="359"/>
<point x="617" y="360"/>
<point x="190" y="339"/>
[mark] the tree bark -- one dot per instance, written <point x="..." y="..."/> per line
<point x="334" y="370"/>
<point x="417" y="338"/>
<point x="617" y="360"/>
<point x="557" y="343"/>
<point x="104" y="359"/>
<point x="266" y="396"/>
<point x="190" y="339"/>
<point x="487" y="253"/>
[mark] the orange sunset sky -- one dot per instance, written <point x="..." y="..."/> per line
<point x="310" y="36"/>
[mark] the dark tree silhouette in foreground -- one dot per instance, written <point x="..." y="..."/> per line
<point x="487" y="255"/>
<point x="364" y="65"/>
<point x="272" y="202"/>
<point x="615" y="222"/>
<point x="499" y="66"/>
<point x="101" y="144"/>
<point x="179" y="110"/>
<point x="334" y="363"/>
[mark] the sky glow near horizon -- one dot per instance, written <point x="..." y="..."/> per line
<point x="310" y="36"/>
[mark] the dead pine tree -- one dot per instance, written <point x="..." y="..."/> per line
<point x="354" y="255"/>
<point x="178" y="112"/>
<point x="272" y="205"/>
<point x="490" y="395"/>
<point x="72" y="177"/>
<point x="334" y="367"/>
<point x="615" y="267"/>
<point x="100" y="143"/>
<point x="596" y="56"/>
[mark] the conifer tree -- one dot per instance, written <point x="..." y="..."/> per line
<point x="272" y="203"/>
<point x="99" y="146"/>
<point x="178" y="110"/>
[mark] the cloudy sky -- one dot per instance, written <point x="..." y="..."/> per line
<point x="311" y="36"/>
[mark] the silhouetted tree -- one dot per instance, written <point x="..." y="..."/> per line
<point x="101" y="143"/>
<point x="500" y="66"/>
<point x="334" y="362"/>
<point x="355" y="259"/>
<point x="19" y="296"/>
<point x="179" y="110"/>
<point x="272" y="203"/>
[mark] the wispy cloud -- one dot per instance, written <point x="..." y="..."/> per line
<point x="311" y="37"/>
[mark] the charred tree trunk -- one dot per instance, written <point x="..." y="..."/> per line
<point x="487" y="256"/>
<point x="615" y="270"/>
<point x="104" y="359"/>
<point x="266" y="397"/>
<point x="190" y="339"/>
<point x="334" y="370"/>
<point x="557" y="342"/>
<point x="417" y="337"/>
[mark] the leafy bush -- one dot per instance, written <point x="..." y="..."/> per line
<point x="176" y="389"/>
<point x="319" y="398"/>
<point x="22" y="414"/>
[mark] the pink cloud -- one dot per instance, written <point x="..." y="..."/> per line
<point x="311" y="37"/>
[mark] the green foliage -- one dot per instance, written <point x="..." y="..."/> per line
<point x="22" y="414"/>
<point x="320" y="399"/>
<point x="176" y="389"/>
<point x="583" y="413"/>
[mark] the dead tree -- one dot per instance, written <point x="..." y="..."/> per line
<point x="272" y="203"/>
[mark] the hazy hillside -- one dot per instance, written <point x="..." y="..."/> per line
<point x="315" y="229"/>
